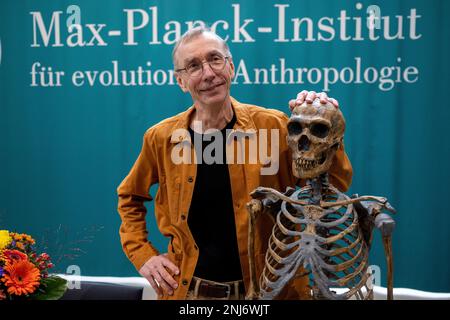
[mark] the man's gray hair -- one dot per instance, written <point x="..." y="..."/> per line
<point x="193" y="33"/>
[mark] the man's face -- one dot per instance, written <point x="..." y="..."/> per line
<point x="210" y="87"/>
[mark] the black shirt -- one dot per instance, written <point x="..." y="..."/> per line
<point x="211" y="214"/>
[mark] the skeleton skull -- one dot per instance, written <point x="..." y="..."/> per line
<point x="315" y="132"/>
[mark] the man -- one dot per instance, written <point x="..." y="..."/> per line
<point x="201" y="205"/>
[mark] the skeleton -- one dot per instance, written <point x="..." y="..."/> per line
<point x="318" y="232"/>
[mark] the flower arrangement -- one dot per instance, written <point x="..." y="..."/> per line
<point x="24" y="273"/>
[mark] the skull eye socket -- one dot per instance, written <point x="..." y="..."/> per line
<point x="294" y="128"/>
<point x="320" y="130"/>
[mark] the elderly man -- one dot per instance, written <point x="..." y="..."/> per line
<point x="201" y="206"/>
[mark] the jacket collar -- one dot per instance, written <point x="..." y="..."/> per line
<point x="244" y="122"/>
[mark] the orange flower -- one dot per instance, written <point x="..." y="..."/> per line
<point x="10" y="256"/>
<point x="20" y="245"/>
<point x="22" y="237"/>
<point x="21" y="277"/>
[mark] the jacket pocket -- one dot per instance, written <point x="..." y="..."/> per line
<point x="175" y="254"/>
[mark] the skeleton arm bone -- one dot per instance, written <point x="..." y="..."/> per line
<point x="372" y="213"/>
<point x="386" y="224"/>
<point x="254" y="208"/>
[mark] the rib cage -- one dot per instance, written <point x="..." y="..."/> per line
<point x="325" y="244"/>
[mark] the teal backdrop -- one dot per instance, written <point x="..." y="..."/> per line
<point x="66" y="145"/>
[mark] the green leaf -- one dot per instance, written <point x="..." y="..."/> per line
<point x="54" y="288"/>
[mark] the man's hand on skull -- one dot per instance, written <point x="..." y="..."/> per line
<point x="309" y="97"/>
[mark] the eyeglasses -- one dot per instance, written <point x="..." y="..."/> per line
<point x="195" y="67"/>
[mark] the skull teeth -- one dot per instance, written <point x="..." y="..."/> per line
<point x="306" y="164"/>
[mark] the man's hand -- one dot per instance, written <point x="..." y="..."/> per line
<point x="159" y="271"/>
<point x="309" y="97"/>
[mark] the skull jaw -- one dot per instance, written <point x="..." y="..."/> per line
<point x="312" y="169"/>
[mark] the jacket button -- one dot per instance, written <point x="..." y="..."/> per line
<point x="184" y="282"/>
<point x="190" y="179"/>
<point x="183" y="217"/>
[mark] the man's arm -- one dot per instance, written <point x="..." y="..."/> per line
<point x="133" y="192"/>
<point x="341" y="171"/>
